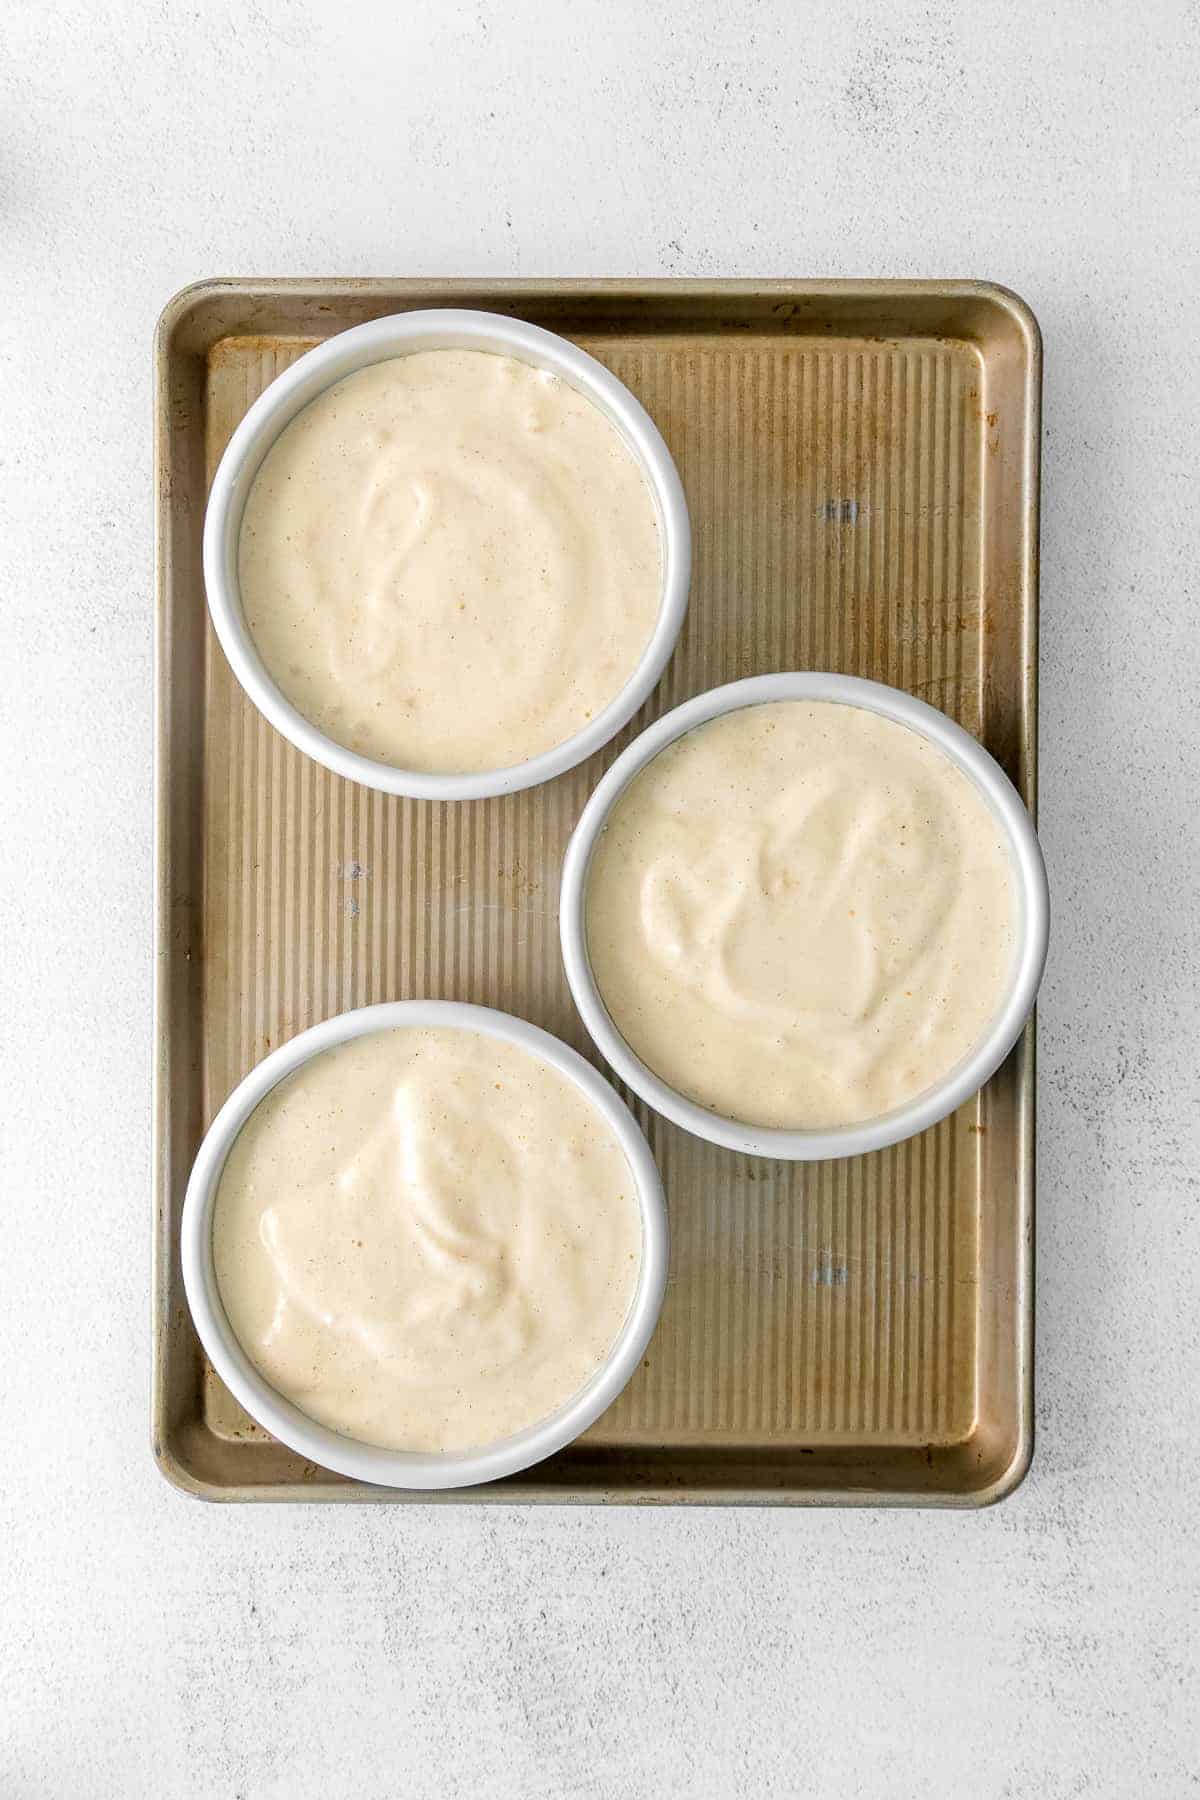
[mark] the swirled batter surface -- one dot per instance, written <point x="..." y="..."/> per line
<point x="427" y="1239"/>
<point x="450" y="562"/>
<point x="801" y="915"/>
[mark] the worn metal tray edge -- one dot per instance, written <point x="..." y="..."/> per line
<point x="518" y="1491"/>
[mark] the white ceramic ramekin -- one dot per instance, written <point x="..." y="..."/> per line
<point x="399" y="335"/>
<point x="368" y="1462"/>
<point x="967" y="1075"/>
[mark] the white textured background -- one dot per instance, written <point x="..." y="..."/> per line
<point x="151" y="1646"/>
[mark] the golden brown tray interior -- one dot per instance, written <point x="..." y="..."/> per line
<point x="862" y="478"/>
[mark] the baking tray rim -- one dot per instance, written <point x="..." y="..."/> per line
<point x="509" y="290"/>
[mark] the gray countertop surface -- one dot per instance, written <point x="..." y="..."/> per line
<point x="151" y="1645"/>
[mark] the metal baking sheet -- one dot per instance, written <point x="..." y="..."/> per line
<point x="861" y="462"/>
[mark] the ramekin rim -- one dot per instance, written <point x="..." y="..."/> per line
<point x="378" y="340"/>
<point x="968" y="1075"/>
<point x="349" y="1456"/>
